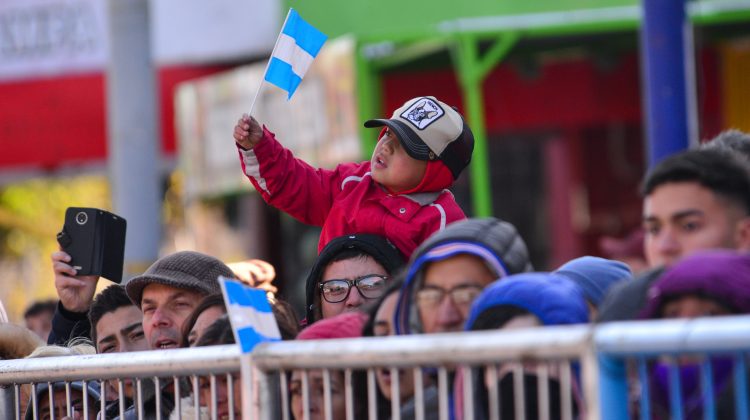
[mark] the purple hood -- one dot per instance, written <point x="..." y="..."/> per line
<point x="720" y="275"/>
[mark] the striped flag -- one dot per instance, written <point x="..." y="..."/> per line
<point x="296" y="48"/>
<point x="250" y="314"/>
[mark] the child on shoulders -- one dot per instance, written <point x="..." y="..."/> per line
<point x="401" y="193"/>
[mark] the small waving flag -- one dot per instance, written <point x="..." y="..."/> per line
<point x="249" y="313"/>
<point x="296" y="48"/>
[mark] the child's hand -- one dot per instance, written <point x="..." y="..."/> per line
<point x="247" y="132"/>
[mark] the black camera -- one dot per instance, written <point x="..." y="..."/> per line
<point x="95" y="241"/>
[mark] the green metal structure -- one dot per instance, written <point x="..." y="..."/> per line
<point x="478" y="34"/>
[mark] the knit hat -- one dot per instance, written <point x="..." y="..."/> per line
<point x="376" y="246"/>
<point x="345" y="325"/>
<point x="723" y="276"/>
<point x="430" y="129"/>
<point x="552" y="298"/>
<point x="595" y="275"/>
<point x="184" y="270"/>
<point x="494" y="241"/>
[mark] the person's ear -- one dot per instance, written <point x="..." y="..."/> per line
<point x="742" y="234"/>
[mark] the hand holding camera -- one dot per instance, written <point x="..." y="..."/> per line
<point x="75" y="292"/>
<point x="92" y="244"/>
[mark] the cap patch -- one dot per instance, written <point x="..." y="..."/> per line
<point x="423" y="113"/>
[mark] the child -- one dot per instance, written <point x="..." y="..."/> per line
<point x="400" y="193"/>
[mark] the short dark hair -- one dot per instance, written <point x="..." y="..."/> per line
<point x="717" y="170"/>
<point x="108" y="300"/>
<point x="39" y="307"/>
<point x="734" y="141"/>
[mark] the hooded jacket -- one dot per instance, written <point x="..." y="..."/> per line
<point x="494" y="241"/>
<point x="377" y="247"/>
<point x="626" y="299"/>
<point x="345" y="199"/>
<point x="554" y="300"/>
<point x="595" y="276"/>
<point x="723" y="276"/>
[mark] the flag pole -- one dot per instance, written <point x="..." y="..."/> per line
<point x="268" y="63"/>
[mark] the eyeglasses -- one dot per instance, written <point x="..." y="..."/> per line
<point x="369" y="286"/>
<point x="429" y="297"/>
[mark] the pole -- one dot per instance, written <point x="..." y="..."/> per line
<point x="133" y="142"/>
<point x="667" y="69"/>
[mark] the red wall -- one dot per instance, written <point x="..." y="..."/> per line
<point x="45" y="123"/>
<point x="572" y="93"/>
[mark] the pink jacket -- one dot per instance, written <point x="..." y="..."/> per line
<point x="344" y="200"/>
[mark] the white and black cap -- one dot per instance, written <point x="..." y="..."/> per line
<point x="430" y="129"/>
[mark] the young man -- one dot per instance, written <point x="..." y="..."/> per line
<point x="451" y="268"/>
<point x="116" y="324"/>
<point x="116" y="327"/>
<point x="693" y="201"/>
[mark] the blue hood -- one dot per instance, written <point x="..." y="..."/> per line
<point x="595" y="275"/>
<point x="552" y="298"/>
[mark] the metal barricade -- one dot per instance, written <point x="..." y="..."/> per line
<point x="591" y="372"/>
<point x="171" y="372"/>
<point x="439" y="359"/>
<point x="631" y="353"/>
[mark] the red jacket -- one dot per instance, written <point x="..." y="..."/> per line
<point x="344" y="200"/>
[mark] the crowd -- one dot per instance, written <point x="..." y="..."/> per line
<point x="397" y="256"/>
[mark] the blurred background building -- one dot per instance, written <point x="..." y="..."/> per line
<point x="552" y="88"/>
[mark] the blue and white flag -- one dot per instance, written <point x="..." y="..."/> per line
<point x="250" y="314"/>
<point x="296" y="48"/>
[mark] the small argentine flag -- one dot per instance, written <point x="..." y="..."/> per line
<point x="250" y="314"/>
<point x="296" y="48"/>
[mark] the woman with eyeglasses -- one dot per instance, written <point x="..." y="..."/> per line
<point x="350" y="271"/>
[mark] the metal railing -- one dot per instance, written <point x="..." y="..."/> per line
<point x="608" y="361"/>
<point x="439" y="355"/>
<point x="164" y="368"/>
<point x="626" y="352"/>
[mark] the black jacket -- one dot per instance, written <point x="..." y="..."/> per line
<point x="67" y="325"/>
<point x="627" y="298"/>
